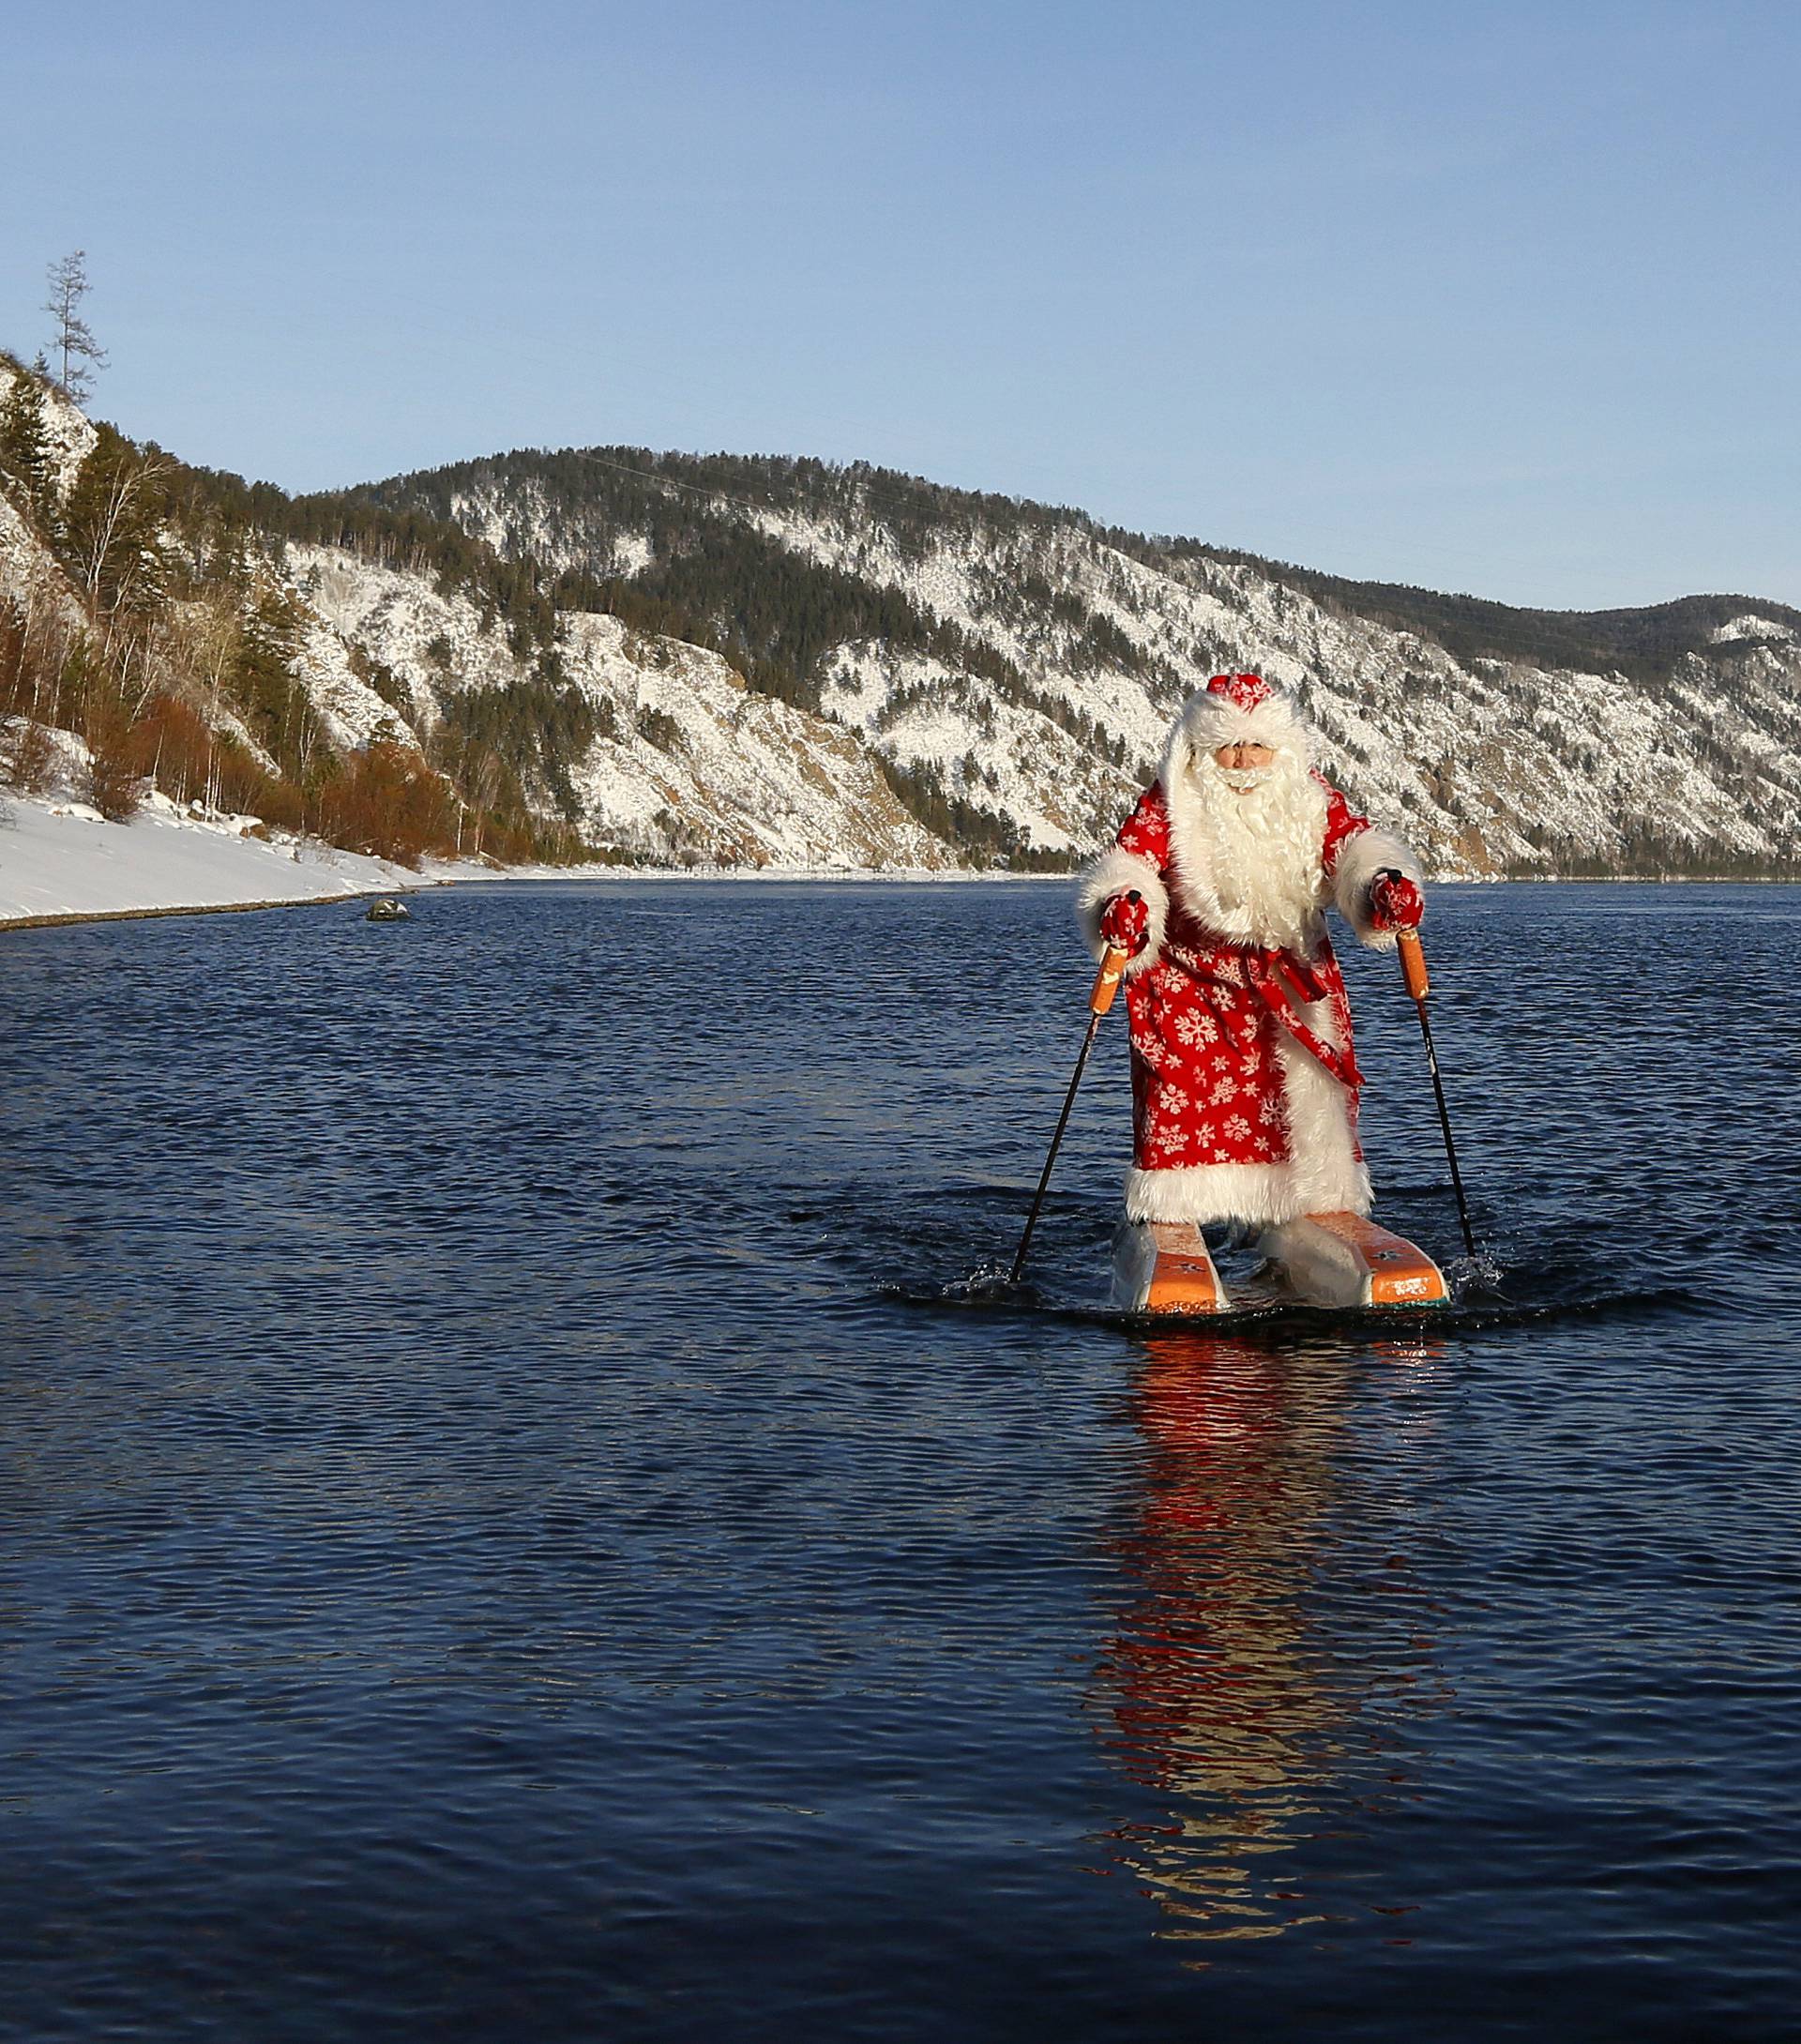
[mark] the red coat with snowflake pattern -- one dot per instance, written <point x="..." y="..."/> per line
<point x="1208" y="1018"/>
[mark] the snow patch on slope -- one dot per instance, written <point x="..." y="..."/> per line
<point x="1736" y="631"/>
<point x="699" y="764"/>
<point x="351" y="711"/>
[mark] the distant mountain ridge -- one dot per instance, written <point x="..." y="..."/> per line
<point x="778" y="662"/>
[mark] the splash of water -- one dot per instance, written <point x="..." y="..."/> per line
<point x="1475" y="1277"/>
<point x="986" y="1281"/>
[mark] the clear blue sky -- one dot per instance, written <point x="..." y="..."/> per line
<point x="1502" y="297"/>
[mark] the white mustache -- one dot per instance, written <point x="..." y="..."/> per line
<point x="1243" y="777"/>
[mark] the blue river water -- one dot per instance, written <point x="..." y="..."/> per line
<point x="515" y="1523"/>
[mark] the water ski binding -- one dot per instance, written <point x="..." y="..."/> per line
<point x="1339" y="1261"/>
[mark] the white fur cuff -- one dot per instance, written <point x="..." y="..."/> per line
<point x="1361" y="858"/>
<point x="1118" y="871"/>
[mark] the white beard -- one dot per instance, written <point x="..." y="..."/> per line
<point x="1246" y="845"/>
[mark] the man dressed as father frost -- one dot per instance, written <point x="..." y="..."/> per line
<point x="1245" y="1079"/>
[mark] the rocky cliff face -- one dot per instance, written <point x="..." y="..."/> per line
<point x="686" y="763"/>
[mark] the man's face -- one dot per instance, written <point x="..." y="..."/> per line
<point x="1242" y="757"/>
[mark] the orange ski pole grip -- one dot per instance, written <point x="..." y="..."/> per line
<point x="1413" y="963"/>
<point x="1112" y="967"/>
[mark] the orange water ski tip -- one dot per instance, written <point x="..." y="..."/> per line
<point x="1346" y="1260"/>
<point x="1162" y="1267"/>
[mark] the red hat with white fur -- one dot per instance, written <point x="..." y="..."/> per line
<point x="1240" y="709"/>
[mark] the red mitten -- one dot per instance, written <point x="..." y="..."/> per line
<point x="1126" y="921"/>
<point x="1395" y="903"/>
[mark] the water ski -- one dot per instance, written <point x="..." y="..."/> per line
<point x="1340" y="1261"/>
<point x="1164" y="1267"/>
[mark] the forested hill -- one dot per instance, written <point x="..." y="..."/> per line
<point x="1013" y="665"/>
<point x="748" y="660"/>
<point x="603" y="501"/>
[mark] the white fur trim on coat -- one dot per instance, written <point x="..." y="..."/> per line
<point x="1323" y="1174"/>
<point x="1118" y="871"/>
<point x="1360" y="860"/>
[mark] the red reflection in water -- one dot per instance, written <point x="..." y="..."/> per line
<point x="1226" y="1689"/>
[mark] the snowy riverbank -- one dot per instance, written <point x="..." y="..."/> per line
<point x="61" y="860"/>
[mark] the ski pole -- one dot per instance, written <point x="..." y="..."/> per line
<point x="1101" y="999"/>
<point x="1412" y="970"/>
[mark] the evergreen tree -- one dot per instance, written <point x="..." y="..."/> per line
<point x="261" y="680"/>
<point x="112" y="525"/>
<point x="25" y="450"/>
<point x="81" y="355"/>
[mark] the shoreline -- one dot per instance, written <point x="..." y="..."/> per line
<point x="61" y="864"/>
<point x="536" y="876"/>
<point x="65" y="917"/>
<point x="521" y="876"/>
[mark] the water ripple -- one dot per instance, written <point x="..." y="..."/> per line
<point x="525" y="1514"/>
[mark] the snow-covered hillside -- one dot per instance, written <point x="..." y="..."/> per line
<point x="1490" y="763"/>
<point x="753" y="662"/>
<point x="304" y="656"/>
<point x="688" y="763"/>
